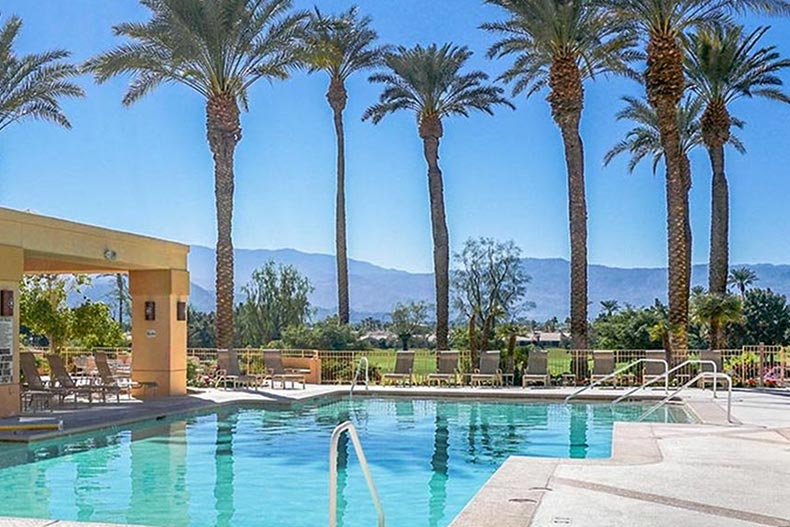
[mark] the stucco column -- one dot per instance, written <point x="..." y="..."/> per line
<point x="159" y="340"/>
<point x="12" y="261"/>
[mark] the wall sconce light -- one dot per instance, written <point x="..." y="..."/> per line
<point x="181" y="311"/>
<point x="150" y="310"/>
<point x="110" y="255"/>
<point x="6" y="303"/>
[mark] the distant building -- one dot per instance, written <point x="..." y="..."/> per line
<point x="543" y="339"/>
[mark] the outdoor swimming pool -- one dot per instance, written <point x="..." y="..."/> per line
<point x="241" y="467"/>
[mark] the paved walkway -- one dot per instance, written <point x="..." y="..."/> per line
<point x="708" y="474"/>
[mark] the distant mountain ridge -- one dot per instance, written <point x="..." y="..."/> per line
<point x="374" y="290"/>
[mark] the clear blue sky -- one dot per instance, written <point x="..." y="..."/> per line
<point x="147" y="169"/>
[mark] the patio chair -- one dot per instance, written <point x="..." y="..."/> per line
<point x="109" y="382"/>
<point x="654" y="370"/>
<point x="35" y="393"/>
<point x="61" y="379"/>
<point x="447" y="370"/>
<point x="228" y="371"/>
<point x="710" y="355"/>
<point x="603" y="366"/>
<point x="489" y="371"/>
<point x="273" y="360"/>
<point x="404" y="369"/>
<point x="537" y="368"/>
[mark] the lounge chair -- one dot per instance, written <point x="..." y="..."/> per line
<point x="35" y="393"/>
<point x="404" y="369"/>
<point x="537" y="368"/>
<point x="277" y="372"/>
<point x="654" y="370"/>
<point x="61" y="379"/>
<point x="228" y="371"/>
<point x="447" y="371"/>
<point x="715" y="357"/>
<point x="109" y="382"/>
<point x="603" y="366"/>
<point x="489" y="371"/>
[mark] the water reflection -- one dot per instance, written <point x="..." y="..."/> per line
<point x="578" y="427"/>
<point x="439" y="466"/>
<point x="223" y="466"/>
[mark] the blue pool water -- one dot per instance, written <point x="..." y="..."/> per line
<point x="247" y="467"/>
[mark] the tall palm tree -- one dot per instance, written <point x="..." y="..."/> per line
<point x="340" y="46"/>
<point x="724" y="64"/>
<point x="429" y="82"/>
<point x="218" y="48"/>
<point x="559" y="44"/>
<point x="663" y="24"/>
<point x="741" y="279"/>
<point x="715" y="310"/>
<point x="31" y="86"/>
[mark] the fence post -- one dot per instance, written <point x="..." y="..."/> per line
<point x="760" y="362"/>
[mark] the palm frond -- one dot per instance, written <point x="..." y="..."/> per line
<point x="31" y="86"/>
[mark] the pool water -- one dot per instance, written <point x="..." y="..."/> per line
<point x="246" y="467"/>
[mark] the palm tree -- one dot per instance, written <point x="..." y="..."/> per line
<point x="644" y="140"/>
<point x="559" y="44"/>
<point x="340" y="46"/>
<point x="724" y="64"/>
<point x="218" y="48"/>
<point x="716" y="311"/>
<point x="31" y="85"/>
<point x="663" y="25"/>
<point x="610" y="307"/>
<point x="429" y="82"/>
<point x="741" y="279"/>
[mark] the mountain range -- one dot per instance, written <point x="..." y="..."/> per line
<point x="374" y="290"/>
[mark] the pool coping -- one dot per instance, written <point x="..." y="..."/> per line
<point x="194" y="403"/>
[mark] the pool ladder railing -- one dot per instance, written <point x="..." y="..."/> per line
<point x="620" y="371"/>
<point x="702" y="375"/>
<point x="666" y="375"/>
<point x="362" y="360"/>
<point x="333" y="444"/>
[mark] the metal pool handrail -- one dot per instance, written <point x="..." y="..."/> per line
<point x="701" y="375"/>
<point x="352" y="433"/>
<point x="356" y="375"/>
<point x="666" y="375"/>
<point x="616" y="373"/>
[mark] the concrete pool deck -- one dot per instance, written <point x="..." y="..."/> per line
<point x="708" y="474"/>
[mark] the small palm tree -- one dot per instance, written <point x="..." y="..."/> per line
<point x="644" y="140"/>
<point x="741" y="278"/>
<point x="560" y="44"/>
<point x="31" y="86"/>
<point x="610" y="307"/>
<point x="340" y="46"/>
<point x="725" y="64"/>
<point x="716" y="311"/>
<point x="662" y="25"/>
<point x="429" y="82"/>
<point x="218" y="48"/>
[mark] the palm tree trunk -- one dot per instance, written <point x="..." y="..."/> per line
<point x="431" y="132"/>
<point x="577" y="213"/>
<point x="567" y="100"/>
<point x="223" y="132"/>
<point x="715" y="125"/>
<point x="337" y="100"/>
<point x="715" y="333"/>
<point x="665" y="84"/>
